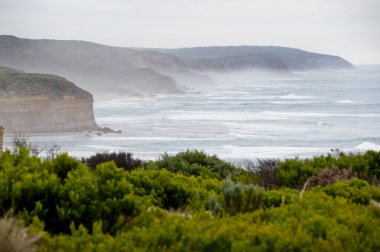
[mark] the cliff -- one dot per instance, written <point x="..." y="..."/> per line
<point x="41" y="103"/>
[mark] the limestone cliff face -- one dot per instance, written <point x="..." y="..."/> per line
<point x="37" y="103"/>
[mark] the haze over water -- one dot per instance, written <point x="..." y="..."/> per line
<point x="309" y="114"/>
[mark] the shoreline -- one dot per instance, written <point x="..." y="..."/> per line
<point x="69" y="133"/>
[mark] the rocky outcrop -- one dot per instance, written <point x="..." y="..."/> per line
<point x="40" y="103"/>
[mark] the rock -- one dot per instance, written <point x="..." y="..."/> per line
<point x="41" y="103"/>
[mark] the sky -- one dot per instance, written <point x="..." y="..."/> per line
<point x="348" y="28"/>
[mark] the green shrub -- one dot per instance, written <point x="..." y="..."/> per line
<point x="294" y="172"/>
<point x="277" y="198"/>
<point x="123" y="160"/>
<point x="169" y="190"/>
<point x="318" y="222"/>
<point x="63" y="190"/>
<point x="111" y="209"/>
<point x="371" y="171"/>
<point x="236" y="198"/>
<point x="27" y="185"/>
<point x="359" y="191"/>
<point x="198" y="163"/>
<point x="63" y="164"/>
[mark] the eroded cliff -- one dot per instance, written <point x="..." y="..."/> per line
<point x="41" y="103"/>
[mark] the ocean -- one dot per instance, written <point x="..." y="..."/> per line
<point x="307" y="114"/>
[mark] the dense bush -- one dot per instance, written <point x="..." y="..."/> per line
<point x="27" y="183"/>
<point x="329" y="176"/>
<point x="63" y="190"/>
<point x="294" y="172"/>
<point x="264" y="171"/>
<point x="315" y="223"/>
<point x="123" y="160"/>
<point x="198" y="163"/>
<point x="356" y="190"/>
<point x="183" y="208"/>
<point x="281" y="197"/>
<point x="236" y="198"/>
<point x="168" y="190"/>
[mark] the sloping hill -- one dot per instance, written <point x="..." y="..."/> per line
<point x="97" y="68"/>
<point x="110" y="70"/>
<point x="295" y="59"/>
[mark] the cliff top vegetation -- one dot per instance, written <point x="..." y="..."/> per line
<point x="189" y="202"/>
<point x="18" y="83"/>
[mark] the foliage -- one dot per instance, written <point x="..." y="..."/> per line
<point x="264" y="171"/>
<point x="198" y="163"/>
<point x="108" y="208"/>
<point x="123" y="160"/>
<point x="168" y="190"/>
<point x="356" y="190"/>
<point x="237" y="198"/>
<point x="63" y="190"/>
<point x="281" y="197"/>
<point x="294" y="172"/>
<point x="329" y="176"/>
<point x="316" y="223"/>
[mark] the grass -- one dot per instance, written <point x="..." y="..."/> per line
<point x="14" y="238"/>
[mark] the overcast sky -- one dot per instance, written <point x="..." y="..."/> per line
<point x="348" y="28"/>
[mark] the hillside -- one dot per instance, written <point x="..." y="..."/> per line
<point x="43" y="103"/>
<point x="105" y="70"/>
<point x="96" y="68"/>
<point x="295" y="59"/>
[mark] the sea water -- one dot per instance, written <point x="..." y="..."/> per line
<point x="307" y="114"/>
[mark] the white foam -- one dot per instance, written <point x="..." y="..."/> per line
<point x="156" y="139"/>
<point x="295" y="97"/>
<point x="368" y="146"/>
<point x="204" y="116"/>
<point x="102" y="147"/>
<point x="114" y="119"/>
<point x="345" y="101"/>
<point x="291" y="102"/>
<point x="284" y="114"/>
<point x="214" y="116"/>
<point x="238" y="152"/>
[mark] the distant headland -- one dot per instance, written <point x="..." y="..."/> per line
<point x="117" y="71"/>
